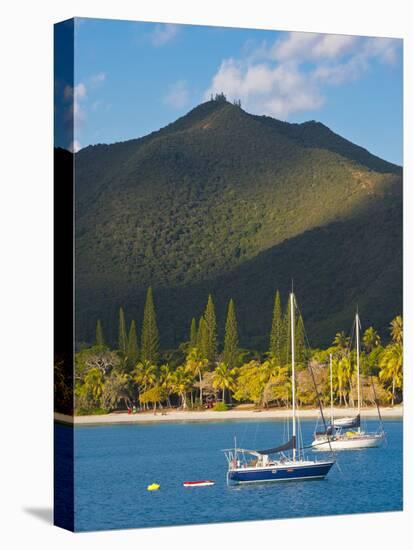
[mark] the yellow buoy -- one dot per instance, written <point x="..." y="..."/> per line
<point x="153" y="487"/>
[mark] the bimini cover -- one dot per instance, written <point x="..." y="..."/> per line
<point x="284" y="447"/>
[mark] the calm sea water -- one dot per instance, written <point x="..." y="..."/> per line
<point x="114" y="465"/>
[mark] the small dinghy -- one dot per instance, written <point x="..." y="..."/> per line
<point x="202" y="483"/>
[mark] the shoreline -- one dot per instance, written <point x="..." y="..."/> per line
<point x="214" y="416"/>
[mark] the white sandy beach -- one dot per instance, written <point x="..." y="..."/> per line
<point x="213" y="416"/>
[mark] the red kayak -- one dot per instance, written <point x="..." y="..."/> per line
<point x="202" y="483"/>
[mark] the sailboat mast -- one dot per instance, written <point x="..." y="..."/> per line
<point x="358" y="362"/>
<point x="293" y="371"/>
<point x="331" y="391"/>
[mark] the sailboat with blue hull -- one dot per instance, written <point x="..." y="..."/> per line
<point x="285" y="462"/>
<point x="281" y="469"/>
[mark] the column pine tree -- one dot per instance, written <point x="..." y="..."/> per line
<point x="230" y="354"/>
<point x="299" y="340"/>
<point x="276" y="336"/>
<point x="211" y="330"/>
<point x="150" y="335"/>
<point x="132" y="345"/>
<point x="193" y="334"/>
<point x="202" y="338"/>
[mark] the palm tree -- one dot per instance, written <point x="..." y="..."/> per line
<point x="270" y="367"/>
<point x="223" y="378"/>
<point x="166" y="381"/>
<point x="271" y="373"/>
<point x="145" y="375"/>
<point x="182" y="384"/>
<point x="341" y="342"/>
<point x="391" y="365"/>
<point x="342" y="371"/>
<point x="93" y="385"/>
<point x="396" y="330"/>
<point x="371" y="339"/>
<point x="196" y="365"/>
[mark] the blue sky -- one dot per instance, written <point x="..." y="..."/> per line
<point x="132" y="78"/>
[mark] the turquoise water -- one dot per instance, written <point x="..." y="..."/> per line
<point x="114" y="465"/>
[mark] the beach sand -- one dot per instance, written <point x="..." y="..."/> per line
<point x="213" y="416"/>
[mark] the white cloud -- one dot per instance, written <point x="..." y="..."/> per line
<point x="385" y="49"/>
<point x="76" y="93"/>
<point x="277" y="90"/>
<point x="163" y="33"/>
<point x="177" y="95"/>
<point x="292" y="74"/>
<point x="80" y="101"/>
<point x="78" y="96"/>
<point x="303" y="45"/>
<point x="80" y="91"/>
<point x="97" y="79"/>
<point x="74" y="97"/>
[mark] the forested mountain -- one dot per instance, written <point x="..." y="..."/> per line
<point x="235" y="204"/>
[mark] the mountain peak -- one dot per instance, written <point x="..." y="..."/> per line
<point x="204" y="111"/>
<point x="219" y="112"/>
<point x="223" y="201"/>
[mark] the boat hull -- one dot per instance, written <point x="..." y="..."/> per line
<point x="348" y="443"/>
<point x="204" y="483"/>
<point x="279" y="473"/>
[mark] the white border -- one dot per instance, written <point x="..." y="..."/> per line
<point x="26" y="268"/>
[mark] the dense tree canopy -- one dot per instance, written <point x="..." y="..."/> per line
<point x="187" y="376"/>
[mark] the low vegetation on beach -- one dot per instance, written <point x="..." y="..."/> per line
<point x="201" y="373"/>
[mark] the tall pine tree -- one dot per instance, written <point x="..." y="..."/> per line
<point x="202" y="339"/>
<point x="276" y="336"/>
<point x="230" y="354"/>
<point x="299" y="340"/>
<point x="122" y="339"/>
<point x="132" y="345"/>
<point x="150" y="335"/>
<point x="193" y="334"/>
<point x="100" y="341"/>
<point x="211" y="330"/>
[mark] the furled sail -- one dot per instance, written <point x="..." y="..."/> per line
<point x="284" y="447"/>
<point x="343" y="423"/>
<point x="347" y="422"/>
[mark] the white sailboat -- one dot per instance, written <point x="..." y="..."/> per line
<point x="262" y="466"/>
<point x="345" y="433"/>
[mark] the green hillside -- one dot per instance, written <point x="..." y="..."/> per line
<point x="236" y="204"/>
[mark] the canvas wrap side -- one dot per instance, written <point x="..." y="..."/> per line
<point x="63" y="272"/>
